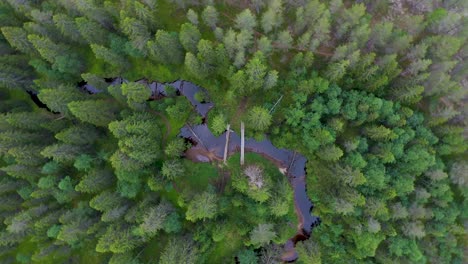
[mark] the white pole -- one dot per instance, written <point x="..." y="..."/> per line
<point x="242" y="144"/>
<point x="227" y="143"/>
<point x="271" y="110"/>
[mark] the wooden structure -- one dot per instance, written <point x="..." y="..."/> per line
<point x="228" y="131"/>
<point x="242" y="144"/>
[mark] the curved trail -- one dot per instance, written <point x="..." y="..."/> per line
<point x="208" y="148"/>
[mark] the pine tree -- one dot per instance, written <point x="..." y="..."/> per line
<point x="262" y="235"/>
<point x="172" y="169"/>
<point x="32" y="121"/>
<point x="91" y="31"/>
<point x="137" y="94"/>
<point x="96" y="112"/>
<point x="379" y="133"/>
<point x="337" y="70"/>
<point x="62" y="153"/>
<point x="264" y="45"/>
<point x="218" y="124"/>
<point x="48" y="49"/>
<point x="459" y="174"/>
<point x="166" y="47"/>
<point x="309" y="252"/>
<point x="203" y="206"/>
<point x="330" y="153"/>
<point x="255" y="71"/>
<point x="270" y="80"/>
<point x="18" y="38"/>
<point x="145" y="12"/>
<point x="27" y="155"/>
<point x="175" y="148"/>
<point x="153" y="220"/>
<point x="313" y="21"/>
<point x="247" y="257"/>
<point x="189" y="37"/>
<point x="193" y="66"/>
<point x="229" y="40"/>
<point x="245" y="20"/>
<point x="192" y="16"/>
<point x="180" y="250"/>
<point x="109" y="56"/>
<point x="210" y="16"/>
<point x="58" y="98"/>
<point x="29" y="173"/>
<point x="78" y="135"/>
<point x="95" y="81"/>
<point x="137" y="31"/>
<point x="273" y="17"/>
<point x="259" y="118"/>
<point x="68" y="27"/>
<point x="95" y="181"/>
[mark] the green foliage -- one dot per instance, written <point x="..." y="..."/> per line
<point x="166" y="47"/>
<point x="189" y="37"/>
<point x="202" y="206"/>
<point x="247" y="257"/>
<point x="175" y="148"/>
<point x="179" y="250"/>
<point x="97" y="112"/>
<point x="18" y="38"/>
<point x="137" y="136"/>
<point x="259" y="119"/>
<point x="49" y="50"/>
<point x="124" y="258"/>
<point x="245" y="20"/>
<point x="192" y="16"/>
<point x="78" y="135"/>
<point x="83" y="162"/>
<point x="153" y="220"/>
<point x="62" y="153"/>
<point x="218" y="124"/>
<point x="172" y="223"/>
<point x="95" y="181"/>
<point x="262" y="235"/>
<point x="136" y="94"/>
<point x="91" y="31"/>
<point x="308" y="252"/>
<point x="108" y="56"/>
<point x="172" y="169"/>
<point x="210" y="16"/>
<point x="255" y="72"/>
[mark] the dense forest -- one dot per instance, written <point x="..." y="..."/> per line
<point x="372" y="93"/>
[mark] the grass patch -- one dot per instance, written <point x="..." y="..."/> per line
<point x="199" y="175"/>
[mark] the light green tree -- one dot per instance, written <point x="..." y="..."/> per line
<point x="246" y="20"/>
<point x="259" y="119"/>
<point x="262" y="234"/>
<point x="202" y="206"/>
<point x="189" y="37"/>
<point x="218" y="124"/>
<point x="192" y="16"/>
<point x="210" y="16"/>
<point x="96" y="112"/>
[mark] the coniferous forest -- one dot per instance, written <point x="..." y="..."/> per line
<point x="120" y="127"/>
